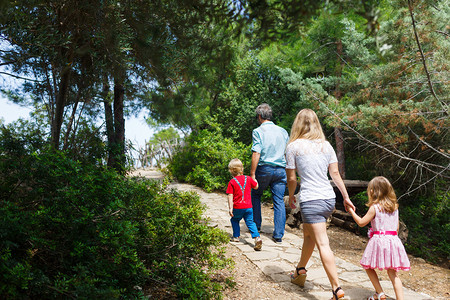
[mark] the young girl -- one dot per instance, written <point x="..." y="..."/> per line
<point x="384" y="250"/>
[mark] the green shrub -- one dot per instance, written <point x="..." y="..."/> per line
<point x="73" y="230"/>
<point x="428" y="222"/>
<point x="204" y="160"/>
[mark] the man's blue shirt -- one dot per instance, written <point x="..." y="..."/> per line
<point x="270" y="141"/>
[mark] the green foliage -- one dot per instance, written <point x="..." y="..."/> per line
<point x="77" y="230"/>
<point x="428" y="221"/>
<point x="360" y="200"/>
<point x="204" y="160"/>
<point x="255" y="81"/>
<point x="162" y="135"/>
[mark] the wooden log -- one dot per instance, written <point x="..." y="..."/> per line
<point x="342" y="223"/>
<point x="342" y="215"/>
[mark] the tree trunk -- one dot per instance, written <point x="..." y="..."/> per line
<point x="119" y="126"/>
<point x="60" y="104"/>
<point x="69" y="126"/>
<point x="109" y="120"/>
<point x="340" y="151"/>
<point x="338" y="131"/>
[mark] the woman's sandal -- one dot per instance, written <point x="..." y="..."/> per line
<point x="336" y="292"/>
<point x="380" y="296"/>
<point x="300" y="278"/>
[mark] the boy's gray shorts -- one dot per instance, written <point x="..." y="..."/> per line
<point x="317" y="211"/>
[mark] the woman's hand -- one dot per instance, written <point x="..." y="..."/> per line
<point x="292" y="202"/>
<point x="348" y="204"/>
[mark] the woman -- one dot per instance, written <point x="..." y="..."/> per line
<point x="312" y="156"/>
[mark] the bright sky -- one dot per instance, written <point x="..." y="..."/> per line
<point x="136" y="129"/>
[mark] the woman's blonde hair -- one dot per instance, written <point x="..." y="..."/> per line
<point x="380" y="191"/>
<point x="236" y="167"/>
<point x="306" y="126"/>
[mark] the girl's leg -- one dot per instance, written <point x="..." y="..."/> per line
<point x="319" y="235"/>
<point x="374" y="279"/>
<point x="396" y="283"/>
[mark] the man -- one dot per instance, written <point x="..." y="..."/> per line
<point x="268" y="168"/>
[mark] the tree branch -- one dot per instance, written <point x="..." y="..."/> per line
<point x="430" y="83"/>
<point x="423" y="164"/>
<point x="19" y="77"/>
<point x="428" y="145"/>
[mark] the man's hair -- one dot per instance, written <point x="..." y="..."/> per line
<point x="264" y="111"/>
<point x="236" y="167"/>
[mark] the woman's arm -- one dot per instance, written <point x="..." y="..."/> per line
<point x="334" y="173"/>
<point x="364" y="220"/>
<point x="292" y="185"/>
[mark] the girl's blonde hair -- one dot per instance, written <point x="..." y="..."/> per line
<point x="380" y="191"/>
<point x="306" y="126"/>
<point x="236" y="167"/>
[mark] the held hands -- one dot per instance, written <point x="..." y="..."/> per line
<point x="349" y="205"/>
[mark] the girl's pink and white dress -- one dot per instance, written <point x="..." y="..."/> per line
<point x="385" y="251"/>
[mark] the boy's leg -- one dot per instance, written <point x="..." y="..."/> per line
<point x="237" y="216"/>
<point x="396" y="283"/>
<point x="248" y="218"/>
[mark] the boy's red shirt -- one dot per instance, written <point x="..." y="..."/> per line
<point x="235" y="189"/>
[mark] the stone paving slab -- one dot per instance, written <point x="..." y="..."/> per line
<point x="277" y="261"/>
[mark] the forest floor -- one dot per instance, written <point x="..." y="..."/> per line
<point x="251" y="282"/>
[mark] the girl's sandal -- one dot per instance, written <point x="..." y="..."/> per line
<point x="380" y="296"/>
<point x="300" y="278"/>
<point x="338" y="293"/>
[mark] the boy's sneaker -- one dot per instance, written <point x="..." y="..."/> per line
<point x="234" y="239"/>
<point x="258" y="244"/>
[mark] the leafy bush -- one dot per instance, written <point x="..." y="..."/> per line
<point x="428" y="222"/>
<point x="73" y="230"/>
<point x="204" y="160"/>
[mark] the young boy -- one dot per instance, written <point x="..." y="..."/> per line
<point x="240" y="202"/>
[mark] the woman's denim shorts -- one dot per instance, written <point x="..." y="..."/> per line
<point x="317" y="211"/>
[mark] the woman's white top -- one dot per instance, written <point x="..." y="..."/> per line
<point x="311" y="158"/>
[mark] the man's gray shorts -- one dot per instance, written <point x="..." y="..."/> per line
<point x="317" y="211"/>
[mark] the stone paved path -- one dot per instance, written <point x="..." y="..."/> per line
<point x="278" y="260"/>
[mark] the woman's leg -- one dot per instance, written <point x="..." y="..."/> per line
<point x="307" y="249"/>
<point x="319" y="234"/>
<point x="374" y="279"/>
<point x="396" y="283"/>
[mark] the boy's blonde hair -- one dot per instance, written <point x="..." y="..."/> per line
<point x="236" y="167"/>
<point x="306" y="126"/>
<point x="380" y="191"/>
